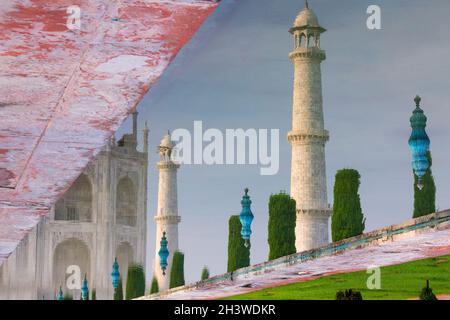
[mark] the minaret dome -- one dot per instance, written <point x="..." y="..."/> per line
<point x="306" y="29"/>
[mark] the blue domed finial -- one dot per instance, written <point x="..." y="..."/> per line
<point x="419" y="143"/>
<point x="60" y="295"/>
<point x="84" y="289"/>
<point x="115" y="274"/>
<point x="163" y="253"/>
<point x="246" y="218"/>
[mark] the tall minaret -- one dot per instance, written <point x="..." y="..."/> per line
<point x="167" y="217"/>
<point x="308" y="136"/>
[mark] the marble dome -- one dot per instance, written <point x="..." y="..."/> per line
<point x="166" y="141"/>
<point x="306" y="17"/>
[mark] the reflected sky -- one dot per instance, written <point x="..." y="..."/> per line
<point x="235" y="73"/>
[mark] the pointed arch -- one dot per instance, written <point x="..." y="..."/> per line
<point x="76" y="204"/>
<point x="311" y="40"/>
<point x="302" y="40"/>
<point x="126" y="202"/>
<point x="73" y="253"/>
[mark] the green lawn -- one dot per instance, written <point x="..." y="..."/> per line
<point x="403" y="281"/>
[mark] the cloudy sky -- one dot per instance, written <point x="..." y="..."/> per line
<point x="235" y="73"/>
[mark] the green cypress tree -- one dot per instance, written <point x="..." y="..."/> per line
<point x="94" y="294"/>
<point x="238" y="254"/>
<point x="427" y="293"/>
<point x="67" y="296"/>
<point x="424" y="200"/>
<point x="177" y="270"/>
<point x="348" y="295"/>
<point x="282" y="217"/>
<point x="347" y="220"/>
<point x="135" y="282"/>
<point x="154" y="287"/>
<point x="118" y="292"/>
<point x="205" y="273"/>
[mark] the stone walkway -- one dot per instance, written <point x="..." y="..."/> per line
<point x="413" y="240"/>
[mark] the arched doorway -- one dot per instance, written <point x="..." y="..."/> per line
<point x="126" y="202"/>
<point x="69" y="255"/>
<point x="76" y="204"/>
<point x="125" y="256"/>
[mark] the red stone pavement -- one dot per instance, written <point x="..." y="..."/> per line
<point x="64" y="92"/>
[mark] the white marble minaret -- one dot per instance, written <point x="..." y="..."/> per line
<point x="308" y="136"/>
<point x="167" y="217"/>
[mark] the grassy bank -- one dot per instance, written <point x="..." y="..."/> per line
<point x="403" y="281"/>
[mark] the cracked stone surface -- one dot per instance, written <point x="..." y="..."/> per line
<point x="64" y="92"/>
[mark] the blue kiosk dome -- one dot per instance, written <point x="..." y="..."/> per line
<point x="246" y="218"/>
<point x="419" y="143"/>
<point x="163" y="253"/>
<point x="115" y="274"/>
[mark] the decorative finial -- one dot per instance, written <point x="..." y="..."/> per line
<point x="84" y="289"/>
<point x="168" y="132"/>
<point x="419" y="143"/>
<point x="417" y="100"/>
<point x="60" y="295"/>
<point x="306" y="4"/>
<point x="163" y="253"/>
<point x="246" y="218"/>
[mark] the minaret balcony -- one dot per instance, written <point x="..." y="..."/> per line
<point x="324" y="213"/>
<point x="167" y="165"/>
<point x="308" y="137"/>
<point x="171" y="219"/>
<point x="313" y="53"/>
